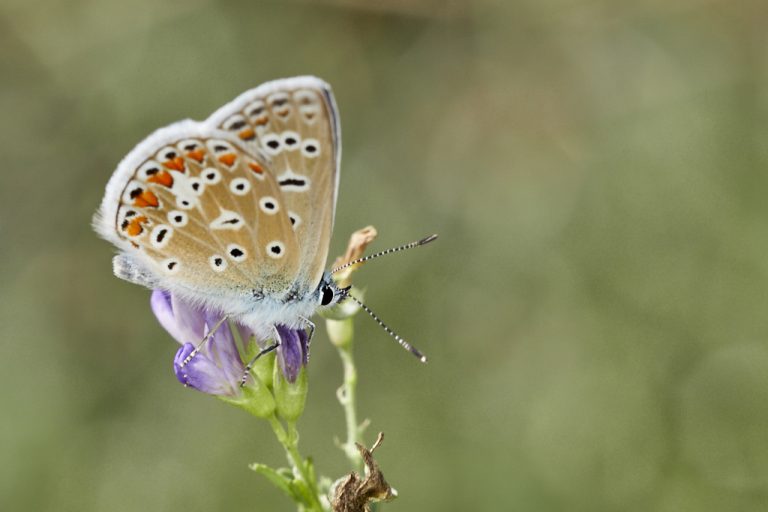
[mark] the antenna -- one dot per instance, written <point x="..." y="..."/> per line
<point x="407" y="346"/>
<point x="411" y="245"/>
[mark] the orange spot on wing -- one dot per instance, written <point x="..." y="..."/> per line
<point x="163" y="178"/>
<point x="135" y="226"/>
<point x="177" y="164"/>
<point x="261" y="121"/>
<point x="247" y="134"/>
<point x="256" y="167"/>
<point x="146" y="198"/>
<point x="197" y="155"/>
<point x="228" y="159"/>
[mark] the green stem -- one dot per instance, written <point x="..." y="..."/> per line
<point x="347" y="396"/>
<point x="290" y="440"/>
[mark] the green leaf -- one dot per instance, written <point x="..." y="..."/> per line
<point x="278" y="480"/>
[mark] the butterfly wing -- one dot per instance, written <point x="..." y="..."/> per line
<point x="197" y="213"/>
<point x="294" y="123"/>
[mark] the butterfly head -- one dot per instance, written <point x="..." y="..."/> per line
<point x="328" y="293"/>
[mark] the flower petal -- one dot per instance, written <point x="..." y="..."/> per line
<point x="161" y="307"/>
<point x="190" y="320"/>
<point x="201" y="373"/>
<point x="223" y="350"/>
<point x="291" y="353"/>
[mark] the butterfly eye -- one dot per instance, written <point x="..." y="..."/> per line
<point x="327" y="296"/>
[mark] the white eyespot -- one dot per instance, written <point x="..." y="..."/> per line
<point x="148" y="169"/>
<point x="218" y="263"/>
<point x="278" y="99"/>
<point x="290" y="140"/>
<point x="305" y="97"/>
<point x="211" y="175"/>
<point x="310" y="148"/>
<point x="240" y="186"/>
<point x="161" y="235"/>
<point x="219" y="146"/>
<point x="235" y="123"/>
<point x="187" y="145"/>
<point x="281" y="105"/>
<point x="295" y="220"/>
<point x="170" y="266"/>
<point x="124" y="213"/>
<point x="227" y="220"/>
<point x="178" y="218"/>
<point x="310" y="113"/>
<point x="289" y="181"/>
<point x="275" y="249"/>
<point x="197" y="186"/>
<point x="309" y="105"/>
<point x="255" y="109"/>
<point x="236" y="253"/>
<point x="185" y="203"/>
<point x="271" y="144"/>
<point x="168" y="153"/>
<point x="133" y="190"/>
<point x="132" y="223"/>
<point x="269" y="205"/>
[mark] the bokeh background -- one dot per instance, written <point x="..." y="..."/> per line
<point x="595" y="310"/>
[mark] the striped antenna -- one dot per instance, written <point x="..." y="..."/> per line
<point x="411" y="245"/>
<point x="407" y="346"/>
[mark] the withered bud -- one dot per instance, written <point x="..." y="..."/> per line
<point x="359" y="240"/>
<point x="353" y="493"/>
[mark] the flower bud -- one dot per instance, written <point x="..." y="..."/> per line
<point x="340" y="332"/>
<point x="290" y="397"/>
<point x="262" y="368"/>
<point x="255" y="398"/>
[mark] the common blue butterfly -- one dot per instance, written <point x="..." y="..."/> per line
<point x="234" y="214"/>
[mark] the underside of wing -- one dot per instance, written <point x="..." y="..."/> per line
<point x="294" y="123"/>
<point x="196" y="211"/>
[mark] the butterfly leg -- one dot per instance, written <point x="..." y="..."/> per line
<point x="262" y="352"/>
<point x="204" y="341"/>
<point x="311" y="326"/>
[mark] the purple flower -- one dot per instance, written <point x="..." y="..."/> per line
<point x="218" y="368"/>
<point x="293" y="352"/>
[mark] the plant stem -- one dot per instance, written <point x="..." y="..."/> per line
<point x="346" y="396"/>
<point x="290" y="440"/>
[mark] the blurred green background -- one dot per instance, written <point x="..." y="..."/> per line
<point x="595" y="310"/>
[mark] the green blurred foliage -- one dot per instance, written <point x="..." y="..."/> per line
<point x="594" y="312"/>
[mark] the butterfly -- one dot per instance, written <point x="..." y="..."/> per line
<point x="235" y="213"/>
